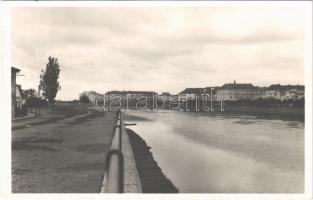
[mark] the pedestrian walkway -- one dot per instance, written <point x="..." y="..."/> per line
<point x="29" y="115"/>
<point x="43" y="118"/>
<point x="61" y="157"/>
<point x="23" y="122"/>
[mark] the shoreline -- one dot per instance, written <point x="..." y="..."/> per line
<point x="262" y="112"/>
<point x="265" y="112"/>
<point x="151" y="176"/>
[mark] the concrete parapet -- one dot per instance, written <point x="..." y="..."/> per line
<point x="132" y="183"/>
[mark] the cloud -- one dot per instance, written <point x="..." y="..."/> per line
<point x="159" y="48"/>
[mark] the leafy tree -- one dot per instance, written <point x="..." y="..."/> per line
<point x="29" y="93"/>
<point x="31" y="102"/>
<point x="49" y="83"/>
<point x="84" y="99"/>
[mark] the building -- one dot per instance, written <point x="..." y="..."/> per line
<point x="18" y="97"/>
<point x="239" y="91"/>
<point x="284" y="92"/>
<point x="14" y="71"/>
<point x="190" y="94"/>
<point x="166" y="96"/>
<point x="130" y="94"/>
<point x="272" y="94"/>
<point x="297" y="93"/>
<point x="208" y="91"/>
<point x="130" y="99"/>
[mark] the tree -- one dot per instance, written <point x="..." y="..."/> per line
<point x="84" y="99"/>
<point x="49" y="83"/>
<point x="31" y="102"/>
<point x="29" y="93"/>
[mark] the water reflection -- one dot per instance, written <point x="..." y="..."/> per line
<point x="202" y="153"/>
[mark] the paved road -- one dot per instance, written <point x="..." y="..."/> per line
<point x="61" y="156"/>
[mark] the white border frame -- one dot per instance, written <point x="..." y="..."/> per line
<point x="5" y="141"/>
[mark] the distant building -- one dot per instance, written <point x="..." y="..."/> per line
<point x="208" y="91"/>
<point x="165" y="96"/>
<point x="272" y="94"/>
<point x="130" y="99"/>
<point x="297" y="93"/>
<point x="14" y="71"/>
<point x="130" y="94"/>
<point x="190" y="94"/>
<point x="239" y="91"/>
<point x="284" y="92"/>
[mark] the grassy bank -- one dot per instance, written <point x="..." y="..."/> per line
<point x="294" y="113"/>
<point x="152" y="178"/>
<point x="65" y="109"/>
<point x="287" y="113"/>
<point x="50" y="114"/>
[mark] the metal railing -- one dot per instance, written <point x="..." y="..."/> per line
<point x="115" y="160"/>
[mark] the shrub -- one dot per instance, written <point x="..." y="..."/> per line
<point x="84" y="99"/>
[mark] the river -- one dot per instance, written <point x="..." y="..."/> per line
<point x="205" y="153"/>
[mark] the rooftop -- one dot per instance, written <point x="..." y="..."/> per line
<point x="15" y="70"/>
<point x="238" y="86"/>
<point x="131" y="92"/>
<point x="285" y="87"/>
<point x="197" y="91"/>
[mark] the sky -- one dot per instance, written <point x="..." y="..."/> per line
<point x="159" y="48"/>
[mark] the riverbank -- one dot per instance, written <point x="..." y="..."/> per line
<point x="262" y="112"/>
<point x="284" y="113"/>
<point x="277" y="111"/>
<point x="152" y="178"/>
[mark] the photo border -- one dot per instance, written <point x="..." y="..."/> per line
<point x="5" y="141"/>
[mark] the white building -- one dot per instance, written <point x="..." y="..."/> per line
<point x="284" y="92"/>
<point x="272" y="94"/>
<point x="239" y="91"/>
<point x="18" y="97"/>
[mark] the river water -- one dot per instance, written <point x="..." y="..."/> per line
<point x="207" y="153"/>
